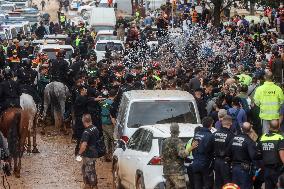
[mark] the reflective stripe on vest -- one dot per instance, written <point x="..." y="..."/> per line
<point x="62" y="18"/>
<point x="274" y="137"/>
<point x="77" y="42"/>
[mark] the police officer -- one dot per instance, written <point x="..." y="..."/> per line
<point x="59" y="68"/>
<point x="242" y="151"/>
<point x="26" y="78"/>
<point x="62" y="20"/>
<point x="173" y="154"/>
<point x="222" y="139"/>
<point x="272" y="151"/>
<point x="203" y="156"/>
<point x="9" y="91"/>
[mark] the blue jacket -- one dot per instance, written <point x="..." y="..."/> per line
<point x="203" y="154"/>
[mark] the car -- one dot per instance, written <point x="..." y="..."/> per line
<point x="100" y="47"/>
<point x="84" y="8"/>
<point x="104" y="3"/>
<point x="137" y="164"/>
<point x="147" y="107"/>
<point x="8" y="7"/>
<point x="105" y="35"/>
<point x="52" y="49"/>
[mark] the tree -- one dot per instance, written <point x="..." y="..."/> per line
<point x="219" y="6"/>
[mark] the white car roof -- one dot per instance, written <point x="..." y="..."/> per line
<point x="105" y="32"/>
<point x="163" y="130"/>
<point x="106" y="41"/>
<point x="144" y="95"/>
<point x="56" y="46"/>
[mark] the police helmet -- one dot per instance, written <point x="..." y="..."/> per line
<point x="26" y="63"/>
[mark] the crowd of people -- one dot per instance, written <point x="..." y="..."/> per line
<point x="234" y="72"/>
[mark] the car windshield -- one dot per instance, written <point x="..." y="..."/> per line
<point x="99" y="28"/>
<point x="51" y="53"/>
<point x="102" y="47"/>
<point x="161" y="112"/>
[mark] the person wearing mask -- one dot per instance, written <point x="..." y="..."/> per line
<point x="272" y="151"/>
<point x="41" y="31"/>
<point x="195" y="82"/>
<point x="241" y="152"/>
<point x="201" y="104"/>
<point x="269" y="98"/>
<point x="203" y="156"/>
<point x="222" y="139"/>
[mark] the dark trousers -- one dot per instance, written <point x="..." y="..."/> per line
<point x="203" y="179"/>
<point x="271" y="177"/>
<point x="241" y="177"/>
<point x="77" y="148"/>
<point x="222" y="173"/>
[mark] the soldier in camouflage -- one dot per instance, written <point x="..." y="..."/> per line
<point x="173" y="155"/>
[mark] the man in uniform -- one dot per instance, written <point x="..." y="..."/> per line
<point x="222" y="139"/>
<point x="87" y="150"/>
<point x="269" y="98"/>
<point x="173" y="153"/>
<point x="59" y="68"/>
<point x="203" y="156"/>
<point x="242" y="151"/>
<point x="27" y="77"/>
<point x="272" y="151"/>
<point x="9" y="91"/>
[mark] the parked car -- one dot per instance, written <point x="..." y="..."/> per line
<point x="149" y="107"/>
<point x="105" y="35"/>
<point x="52" y="49"/>
<point x="137" y="164"/>
<point x="100" y="47"/>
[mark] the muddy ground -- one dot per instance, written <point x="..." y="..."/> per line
<point x="55" y="167"/>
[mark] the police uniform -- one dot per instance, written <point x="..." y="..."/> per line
<point x="203" y="159"/>
<point x="58" y="70"/>
<point x="9" y="94"/>
<point x="242" y="151"/>
<point x="270" y="145"/>
<point x="222" y="139"/>
<point x="173" y="152"/>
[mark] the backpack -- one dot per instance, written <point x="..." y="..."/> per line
<point x="99" y="149"/>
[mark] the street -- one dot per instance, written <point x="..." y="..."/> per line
<point x="55" y="167"/>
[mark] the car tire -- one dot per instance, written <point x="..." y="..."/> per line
<point x="116" y="182"/>
<point x="140" y="182"/>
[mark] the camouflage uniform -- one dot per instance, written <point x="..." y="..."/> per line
<point x="173" y="152"/>
<point x="89" y="172"/>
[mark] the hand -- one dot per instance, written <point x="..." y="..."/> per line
<point x="78" y="158"/>
<point x="194" y="145"/>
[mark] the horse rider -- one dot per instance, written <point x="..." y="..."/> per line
<point x="27" y="77"/>
<point x="10" y="91"/>
<point x="59" y="68"/>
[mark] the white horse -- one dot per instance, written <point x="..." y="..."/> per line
<point x="27" y="103"/>
<point x="56" y="94"/>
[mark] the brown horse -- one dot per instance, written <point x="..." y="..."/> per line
<point x="14" y="126"/>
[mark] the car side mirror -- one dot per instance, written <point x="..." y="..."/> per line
<point x="121" y="144"/>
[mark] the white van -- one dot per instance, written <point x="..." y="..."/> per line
<point x="52" y="49"/>
<point x="102" y="18"/>
<point x="150" y="107"/>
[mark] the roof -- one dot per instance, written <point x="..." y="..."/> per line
<point x="163" y="130"/>
<point x="106" y="41"/>
<point x="138" y="95"/>
<point x="55" y="36"/>
<point x="56" y="46"/>
<point x="105" y="32"/>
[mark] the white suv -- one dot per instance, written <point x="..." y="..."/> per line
<point x="137" y="164"/>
